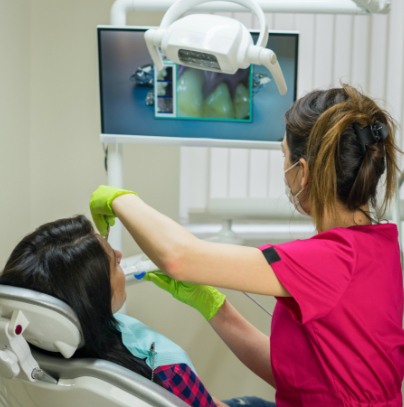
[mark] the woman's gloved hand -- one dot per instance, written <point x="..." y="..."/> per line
<point x="101" y="206"/>
<point x="207" y="300"/>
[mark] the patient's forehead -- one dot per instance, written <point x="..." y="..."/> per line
<point x="105" y="244"/>
<point x="111" y="252"/>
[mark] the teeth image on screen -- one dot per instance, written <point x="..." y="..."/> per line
<point x="213" y="95"/>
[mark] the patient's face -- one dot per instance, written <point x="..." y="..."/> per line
<point x="117" y="280"/>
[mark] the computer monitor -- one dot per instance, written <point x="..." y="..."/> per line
<point x="186" y="106"/>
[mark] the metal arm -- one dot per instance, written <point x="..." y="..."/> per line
<point x="121" y="7"/>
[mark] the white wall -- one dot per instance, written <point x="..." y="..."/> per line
<point x="14" y="122"/>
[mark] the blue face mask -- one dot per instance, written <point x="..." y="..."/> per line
<point x="294" y="199"/>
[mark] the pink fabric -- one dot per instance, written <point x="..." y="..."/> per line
<point x="339" y="340"/>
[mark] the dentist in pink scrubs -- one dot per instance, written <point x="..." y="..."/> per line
<point x="336" y="337"/>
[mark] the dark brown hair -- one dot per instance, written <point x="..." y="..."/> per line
<point x="320" y="127"/>
<point x="66" y="259"/>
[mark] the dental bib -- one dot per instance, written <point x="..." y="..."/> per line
<point x="139" y="339"/>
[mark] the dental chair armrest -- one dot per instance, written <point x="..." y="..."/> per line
<point x="111" y="373"/>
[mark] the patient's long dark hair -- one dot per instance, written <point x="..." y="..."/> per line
<point x="67" y="260"/>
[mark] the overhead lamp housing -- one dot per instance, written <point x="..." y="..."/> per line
<point x="212" y="42"/>
<point x="374" y="6"/>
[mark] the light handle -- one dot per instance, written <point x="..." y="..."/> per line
<point x="265" y="56"/>
<point x="153" y="40"/>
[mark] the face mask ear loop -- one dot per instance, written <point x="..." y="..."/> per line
<point x="292" y="166"/>
<point x="294" y="199"/>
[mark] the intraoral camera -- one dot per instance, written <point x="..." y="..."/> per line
<point x="211" y="42"/>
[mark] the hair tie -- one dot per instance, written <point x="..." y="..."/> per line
<point x="373" y="133"/>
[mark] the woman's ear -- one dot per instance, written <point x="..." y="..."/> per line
<point x="306" y="173"/>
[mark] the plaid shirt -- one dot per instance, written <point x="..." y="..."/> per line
<point x="181" y="380"/>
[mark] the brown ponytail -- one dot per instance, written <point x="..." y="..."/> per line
<point x="320" y="127"/>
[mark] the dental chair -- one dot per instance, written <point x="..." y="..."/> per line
<point x="38" y="336"/>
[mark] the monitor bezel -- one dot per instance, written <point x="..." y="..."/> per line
<point x="187" y="141"/>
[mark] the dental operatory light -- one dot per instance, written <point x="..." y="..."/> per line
<point x="212" y="42"/>
<point x="373" y="6"/>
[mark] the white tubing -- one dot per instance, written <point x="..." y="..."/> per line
<point x="115" y="178"/>
<point x="119" y="10"/>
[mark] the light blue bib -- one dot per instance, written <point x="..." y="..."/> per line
<point x="138" y="339"/>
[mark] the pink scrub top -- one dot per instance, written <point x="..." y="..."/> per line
<point x="338" y="340"/>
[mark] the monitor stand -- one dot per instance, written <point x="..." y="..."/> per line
<point x="226" y="234"/>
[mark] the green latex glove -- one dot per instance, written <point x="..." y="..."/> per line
<point x="101" y="206"/>
<point x="207" y="300"/>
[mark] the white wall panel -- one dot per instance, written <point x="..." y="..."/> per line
<point x="239" y="173"/>
<point x="342" y="50"/>
<point x="305" y="26"/>
<point x="282" y="21"/>
<point x="219" y="173"/>
<point x="323" y="61"/>
<point x="359" y="50"/>
<point x="379" y="35"/>
<point x="246" y="18"/>
<point x="276" y="184"/>
<point x="259" y="174"/>
<point x="196" y="159"/>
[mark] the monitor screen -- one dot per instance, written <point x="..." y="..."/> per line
<point x="187" y="106"/>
